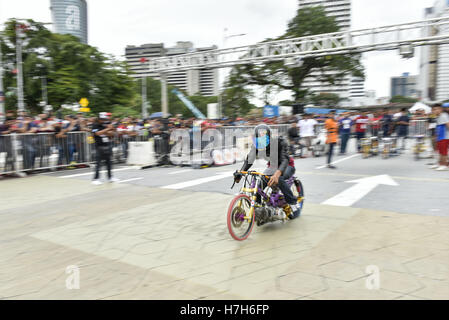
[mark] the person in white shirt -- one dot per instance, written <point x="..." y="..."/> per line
<point x="307" y="129"/>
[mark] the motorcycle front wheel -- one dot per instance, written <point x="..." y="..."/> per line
<point x="239" y="224"/>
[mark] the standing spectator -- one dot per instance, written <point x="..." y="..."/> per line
<point x="307" y="129"/>
<point x="433" y="138"/>
<point x="72" y="124"/>
<point x="5" y="145"/>
<point x="5" y="126"/>
<point x="402" y="125"/>
<point x="345" y="125"/>
<point x="103" y="130"/>
<point x="331" y="126"/>
<point x="386" y="121"/>
<point x="442" y="137"/>
<point x="293" y="137"/>
<point x="376" y="124"/>
<point x="29" y="141"/>
<point x="360" y="128"/>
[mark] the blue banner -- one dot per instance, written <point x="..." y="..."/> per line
<point x="270" y="111"/>
<point x="323" y="110"/>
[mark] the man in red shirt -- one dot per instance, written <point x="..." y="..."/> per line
<point x="376" y="123"/>
<point x="360" y="128"/>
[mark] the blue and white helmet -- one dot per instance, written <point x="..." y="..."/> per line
<point x="262" y="136"/>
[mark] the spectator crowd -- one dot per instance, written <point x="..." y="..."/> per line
<point x="303" y="128"/>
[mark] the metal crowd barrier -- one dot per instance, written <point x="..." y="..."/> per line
<point x="219" y="150"/>
<point x="373" y="129"/>
<point x="319" y="129"/>
<point x="49" y="151"/>
<point x="7" y="154"/>
<point x="418" y="129"/>
<point x="27" y="152"/>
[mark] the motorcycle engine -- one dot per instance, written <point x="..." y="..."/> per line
<point x="264" y="215"/>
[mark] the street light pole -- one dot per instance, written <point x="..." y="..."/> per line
<point x="144" y="97"/>
<point x="2" y="94"/>
<point x="44" y="90"/>
<point x="144" y="90"/>
<point x="164" y="95"/>
<point x="19" y="35"/>
<point x="220" y="97"/>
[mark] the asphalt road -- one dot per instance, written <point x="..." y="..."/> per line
<point x="414" y="189"/>
<point x="160" y="233"/>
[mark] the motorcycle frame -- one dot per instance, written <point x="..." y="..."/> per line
<point x="273" y="201"/>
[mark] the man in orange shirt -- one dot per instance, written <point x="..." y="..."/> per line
<point x="331" y="126"/>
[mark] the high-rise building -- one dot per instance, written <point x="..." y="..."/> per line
<point x="434" y="64"/>
<point x="340" y="9"/>
<point x="405" y="85"/>
<point x="202" y="81"/>
<point x="349" y="88"/>
<point x="70" y="17"/>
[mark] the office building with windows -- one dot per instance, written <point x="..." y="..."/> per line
<point x="193" y="82"/>
<point x="70" y="17"/>
<point x="351" y="89"/>
<point x="434" y="64"/>
<point x="405" y="85"/>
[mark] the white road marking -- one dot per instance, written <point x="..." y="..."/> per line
<point x="181" y="171"/>
<point x="338" y="161"/>
<point x="196" y="182"/>
<point x="92" y="172"/>
<point x="133" y="179"/>
<point x="72" y="170"/>
<point x="363" y="186"/>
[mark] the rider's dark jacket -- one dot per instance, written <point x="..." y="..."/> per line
<point x="278" y="157"/>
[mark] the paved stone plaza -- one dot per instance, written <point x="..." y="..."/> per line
<point x="139" y="242"/>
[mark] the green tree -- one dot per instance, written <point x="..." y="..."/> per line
<point x="333" y="68"/>
<point x="236" y="96"/>
<point x="402" y="99"/>
<point x="326" y="99"/>
<point x="176" y="106"/>
<point x="201" y="102"/>
<point x="73" y="70"/>
<point x="286" y="103"/>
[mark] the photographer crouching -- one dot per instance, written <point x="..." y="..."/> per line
<point x="103" y="131"/>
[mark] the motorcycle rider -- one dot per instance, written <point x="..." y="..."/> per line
<point x="281" y="166"/>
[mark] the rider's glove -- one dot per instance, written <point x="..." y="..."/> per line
<point x="237" y="176"/>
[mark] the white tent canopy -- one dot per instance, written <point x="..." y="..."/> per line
<point x="420" y="106"/>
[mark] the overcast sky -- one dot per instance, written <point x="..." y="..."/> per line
<point x="114" y="24"/>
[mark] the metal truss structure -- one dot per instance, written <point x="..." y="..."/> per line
<point x="399" y="36"/>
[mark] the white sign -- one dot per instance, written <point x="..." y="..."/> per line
<point x="141" y="154"/>
<point x="212" y="111"/>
